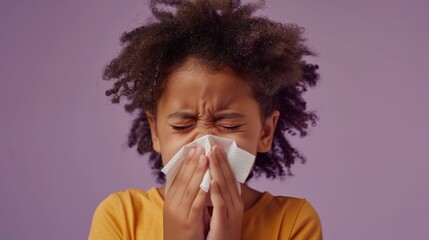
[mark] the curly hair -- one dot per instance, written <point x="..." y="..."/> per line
<point x="219" y="33"/>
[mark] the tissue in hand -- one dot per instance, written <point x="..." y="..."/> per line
<point x="241" y="161"/>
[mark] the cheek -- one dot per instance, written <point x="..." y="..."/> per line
<point x="248" y="144"/>
<point x="170" y="146"/>
<point x="250" y="140"/>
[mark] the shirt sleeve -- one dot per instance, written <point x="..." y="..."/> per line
<point x="106" y="222"/>
<point x="307" y="224"/>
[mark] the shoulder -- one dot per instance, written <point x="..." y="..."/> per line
<point x="301" y="217"/>
<point x="120" y="211"/>
<point x="279" y="205"/>
<point x="131" y="200"/>
<point x="132" y="195"/>
<point x="285" y="218"/>
<point x="298" y="206"/>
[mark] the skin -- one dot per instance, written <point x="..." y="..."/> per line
<point x="197" y="101"/>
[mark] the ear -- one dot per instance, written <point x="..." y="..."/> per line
<point x="153" y="132"/>
<point x="267" y="134"/>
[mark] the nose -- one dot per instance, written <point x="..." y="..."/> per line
<point x="202" y="132"/>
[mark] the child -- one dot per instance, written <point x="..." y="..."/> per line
<point x="211" y="67"/>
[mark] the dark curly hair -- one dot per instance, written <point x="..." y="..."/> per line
<point x="219" y="33"/>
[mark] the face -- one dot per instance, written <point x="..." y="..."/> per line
<point x="197" y="101"/>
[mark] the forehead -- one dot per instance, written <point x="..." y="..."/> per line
<point x="195" y="80"/>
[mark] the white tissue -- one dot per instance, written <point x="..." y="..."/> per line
<point x="241" y="161"/>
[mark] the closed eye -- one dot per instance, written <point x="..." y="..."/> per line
<point x="231" y="128"/>
<point x="180" y="128"/>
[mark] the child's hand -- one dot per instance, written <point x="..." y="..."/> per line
<point x="228" y="206"/>
<point x="185" y="201"/>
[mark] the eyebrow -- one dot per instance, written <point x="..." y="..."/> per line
<point x="181" y="115"/>
<point x="228" y="115"/>
<point x="217" y="116"/>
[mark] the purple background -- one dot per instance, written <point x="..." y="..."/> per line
<point x="63" y="145"/>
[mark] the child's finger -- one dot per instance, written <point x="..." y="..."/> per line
<point x="176" y="185"/>
<point x="228" y="174"/>
<point x="217" y="175"/>
<point x="225" y="223"/>
<point x="192" y="190"/>
<point x="219" y="206"/>
<point x="206" y="220"/>
<point x="197" y="209"/>
<point x="183" y="211"/>
<point x="193" y="187"/>
<point x="184" y="176"/>
<point x="227" y="185"/>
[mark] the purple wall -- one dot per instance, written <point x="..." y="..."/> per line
<point x="62" y="144"/>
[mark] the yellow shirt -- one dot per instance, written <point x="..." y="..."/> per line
<point x="137" y="214"/>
